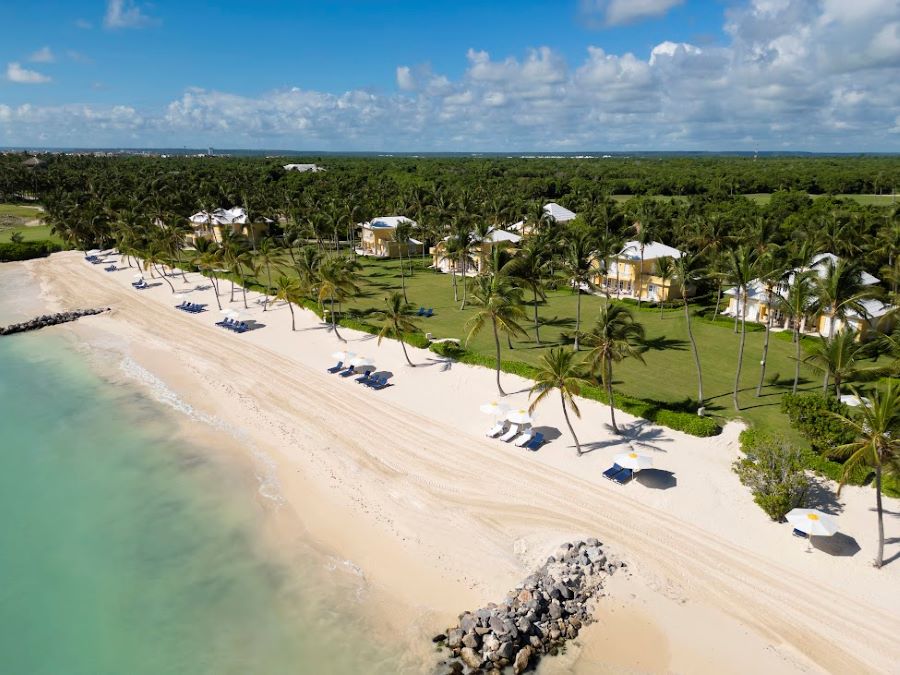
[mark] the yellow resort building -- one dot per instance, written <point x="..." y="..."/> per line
<point x="626" y="277"/>
<point x="379" y="238"/>
<point x="480" y="252"/>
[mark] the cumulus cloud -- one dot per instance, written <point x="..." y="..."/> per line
<point x="16" y="73"/>
<point x="777" y="82"/>
<point x="126" y="14"/>
<point x="42" y="55"/>
<point x="621" y="12"/>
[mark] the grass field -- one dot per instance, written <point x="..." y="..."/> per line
<point x="16" y="218"/>
<point x="669" y="374"/>
<point x="20" y="211"/>
<point x="36" y="233"/>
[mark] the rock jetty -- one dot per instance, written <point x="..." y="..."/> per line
<point x="548" y="608"/>
<point x="50" y="320"/>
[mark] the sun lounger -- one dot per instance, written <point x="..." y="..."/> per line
<point x="510" y="433"/>
<point x="242" y="328"/>
<point x="111" y="268"/>
<point x="350" y="371"/>
<point x="612" y="471"/>
<point x="381" y="384"/>
<point x="496" y="430"/>
<point x="338" y="366"/>
<point x="365" y="377"/>
<point x="523" y="439"/>
<point x="375" y="381"/>
<point x="429" y="313"/>
<point x="800" y="533"/>
<point x="536" y="442"/>
<point x="622" y="476"/>
<point x="421" y="312"/>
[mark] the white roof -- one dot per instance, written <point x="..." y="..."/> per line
<point x="516" y="227"/>
<point x="303" y="167"/>
<point x="388" y="222"/>
<point x="874" y="309"/>
<point x="220" y="217"/>
<point x="632" y="251"/>
<point x="495" y="236"/>
<point x="820" y="261"/>
<point x="559" y="213"/>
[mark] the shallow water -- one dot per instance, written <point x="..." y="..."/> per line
<point x="128" y="549"/>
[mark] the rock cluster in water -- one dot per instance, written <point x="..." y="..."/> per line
<point x="49" y="320"/>
<point x="548" y="608"/>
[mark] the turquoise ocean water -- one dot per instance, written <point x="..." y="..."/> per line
<point x="126" y="550"/>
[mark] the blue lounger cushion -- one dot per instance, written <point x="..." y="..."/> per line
<point x="800" y="533"/>
<point x="623" y="476"/>
<point x="536" y="441"/>
<point x="364" y="377"/>
<point x="383" y="383"/>
<point x="350" y="371"/>
<point x="612" y="471"/>
<point x="338" y="366"/>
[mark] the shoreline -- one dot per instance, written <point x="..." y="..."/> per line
<point x="439" y="519"/>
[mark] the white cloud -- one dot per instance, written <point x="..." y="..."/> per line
<point x="620" y="12"/>
<point x="42" y="55"/>
<point x="126" y="14"/>
<point x="16" y="73"/>
<point x="777" y="82"/>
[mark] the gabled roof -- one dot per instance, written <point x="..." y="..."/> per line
<point x="496" y="236"/>
<point x="388" y="222"/>
<point x="820" y="261"/>
<point x="559" y="213"/>
<point x="234" y="215"/>
<point x="632" y="251"/>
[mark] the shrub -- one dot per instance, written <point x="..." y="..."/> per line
<point x="811" y="415"/>
<point x="773" y="470"/>
<point x="26" y="250"/>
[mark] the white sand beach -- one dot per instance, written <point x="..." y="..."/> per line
<point x="403" y="484"/>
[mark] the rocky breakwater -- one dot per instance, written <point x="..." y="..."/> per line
<point x="49" y="320"/>
<point x="548" y="608"/>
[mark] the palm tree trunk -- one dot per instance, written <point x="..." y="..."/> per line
<point x="166" y="279"/>
<point x="232" y="291"/>
<point x="562" y="400"/>
<point x="765" y="354"/>
<point x="690" y="332"/>
<point x="740" y="361"/>
<point x="718" y="299"/>
<point x="796" y="358"/>
<point x="403" y="346"/>
<point x="465" y="286"/>
<point x="537" y="325"/>
<point x="609" y="393"/>
<point x="269" y="287"/>
<point x="291" y="307"/>
<point x="215" y="289"/>
<point x="641" y="278"/>
<point x="825" y="382"/>
<point x="403" y="279"/>
<point x="453" y="274"/>
<point x="497" y="345"/>
<point x="577" y="317"/>
<point x="333" y="322"/>
<point x="244" y="291"/>
<point x="879" y="557"/>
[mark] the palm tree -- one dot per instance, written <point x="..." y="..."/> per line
<point x="527" y="268"/>
<point x="877" y="444"/>
<point x="740" y="264"/>
<point x="772" y="270"/>
<point x="558" y="370"/>
<point x="288" y="290"/>
<point x="267" y="257"/>
<point x="402" y="233"/>
<point x="645" y="230"/>
<point x="578" y="256"/>
<point x="665" y="270"/>
<point x="687" y="274"/>
<point x="500" y="305"/>
<point x="336" y="280"/>
<point x="839" y="290"/>
<point x="396" y="321"/>
<point x="615" y="337"/>
<point x="206" y="259"/>
<point x="836" y="357"/>
<point x="154" y="256"/>
<point x="795" y="305"/>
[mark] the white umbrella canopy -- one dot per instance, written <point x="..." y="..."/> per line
<point x="812" y="522"/>
<point x="361" y="361"/>
<point x="494" y="408"/>
<point x="633" y="461"/>
<point x="519" y="416"/>
<point x="343" y="356"/>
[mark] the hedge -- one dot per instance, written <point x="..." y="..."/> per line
<point x="26" y="250"/>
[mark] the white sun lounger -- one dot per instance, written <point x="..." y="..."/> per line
<point x="523" y="438"/>
<point x="510" y="434"/>
<point x="496" y="430"/>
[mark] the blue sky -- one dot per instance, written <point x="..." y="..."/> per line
<point x="464" y="75"/>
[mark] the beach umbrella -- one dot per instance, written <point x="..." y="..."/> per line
<point x="494" y="408"/>
<point x="633" y="461"/>
<point x="812" y="522"/>
<point x="343" y="356"/>
<point x="361" y="362"/>
<point x="519" y="416"/>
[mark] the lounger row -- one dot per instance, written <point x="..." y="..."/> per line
<point x="372" y="381"/>
<point x="236" y="326"/>
<point x="528" y="438"/>
<point x="111" y="268"/>
<point x="190" y="307"/>
<point x="140" y="285"/>
<point x="618" y="475"/>
<point x="94" y="260"/>
<point x="427" y="313"/>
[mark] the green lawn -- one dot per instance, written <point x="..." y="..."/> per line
<point x="763" y="198"/>
<point x="669" y="374"/>
<point x="36" y="233"/>
<point x="16" y="218"/>
<point x="20" y="211"/>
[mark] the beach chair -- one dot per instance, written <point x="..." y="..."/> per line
<point x="350" y="371"/>
<point x="496" y="430"/>
<point x="800" y="533"/>
<point x="429" y="313"/>
<point x="510" y="433"/>
<point x="536" y="442"/>
<point x="142" y="286"/>
<point x="622" y="476"/>
<point x="364" y="378"/>
<point x="111" y="268"/>
<point x="242" y="328"/>
<point x="381" y="384"/>
<point x="421" y="312"/>
<point x="338" y="366"/>
<point x="522" y="439"/>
